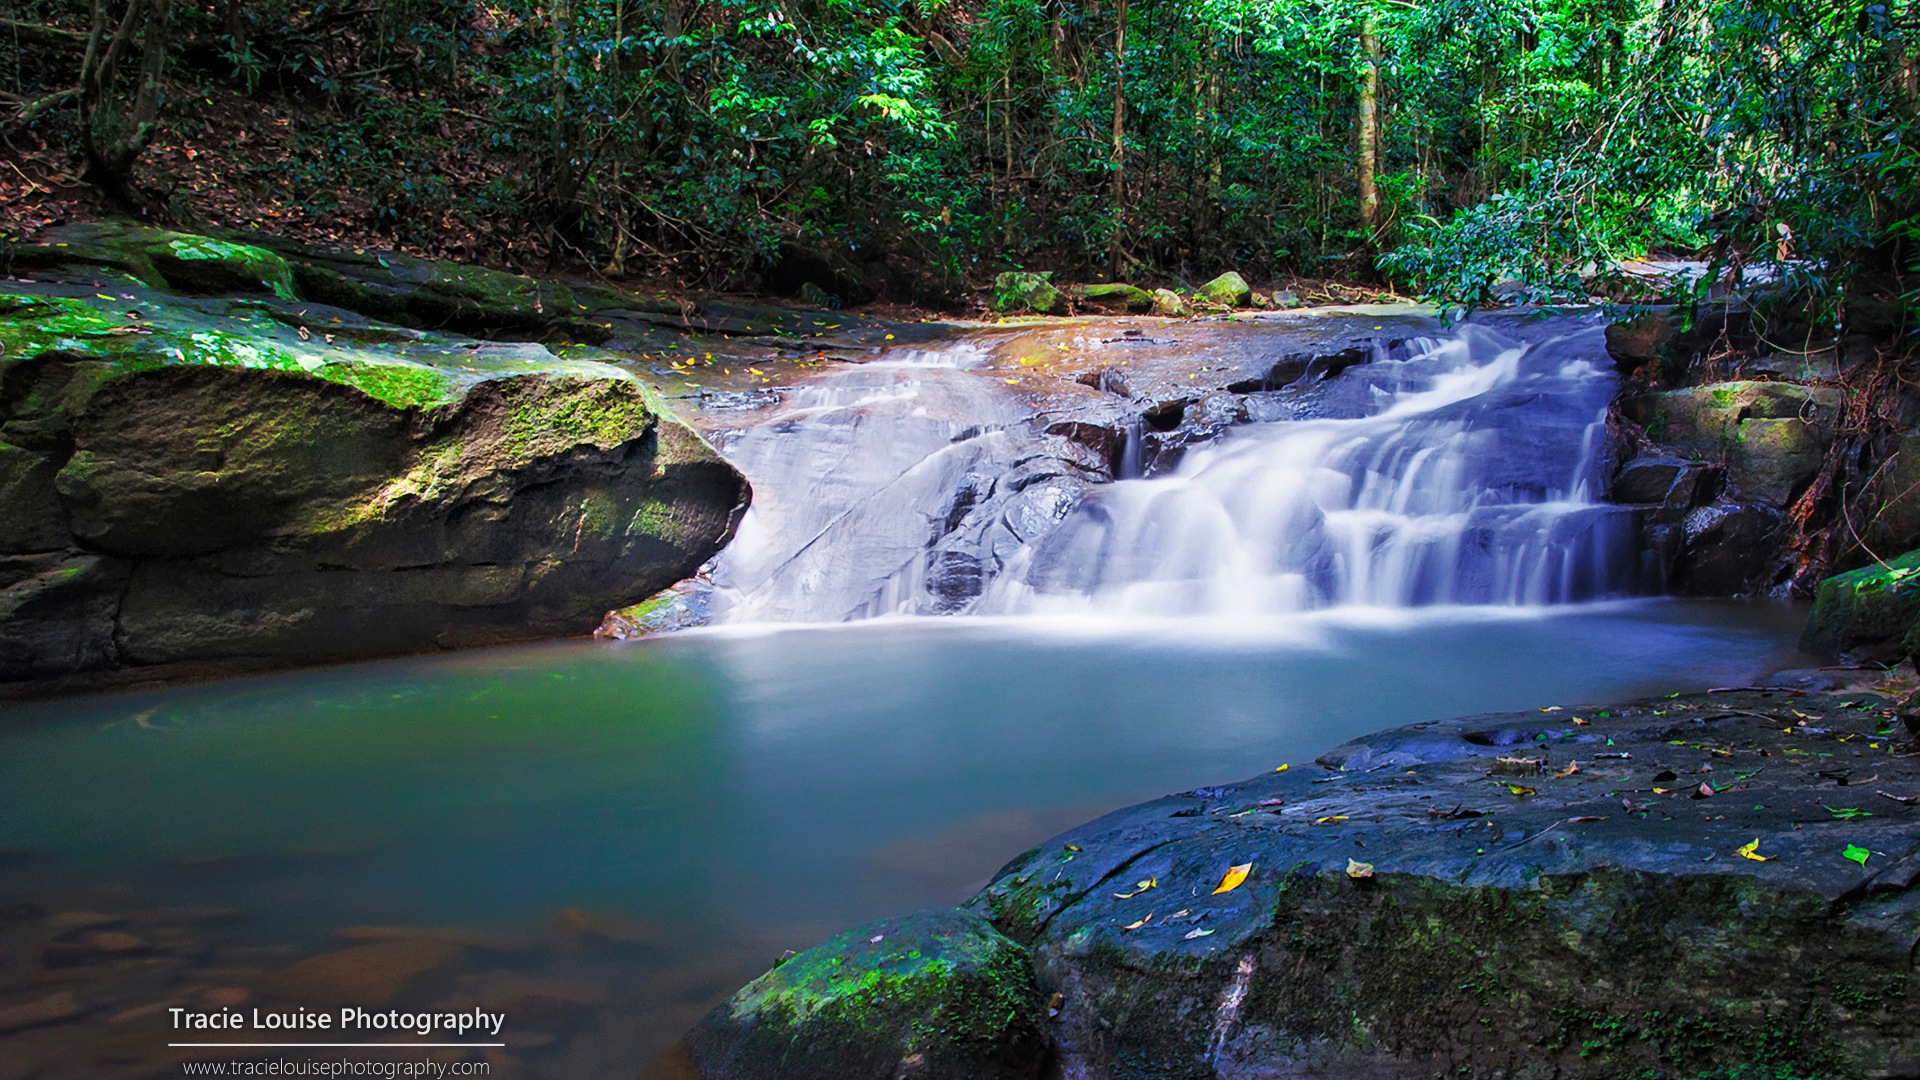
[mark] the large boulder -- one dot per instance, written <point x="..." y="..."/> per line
<point x="1673" y="888"/>
<point x="184" y="262"/>
<point x="1022" y="291"/>
<point x="219" y="484"/>
<point x="1875" y="607"/>
<point x="940" y="995"/>
<point x="1770" y="436"/>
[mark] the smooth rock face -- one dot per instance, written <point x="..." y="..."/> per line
<point x="939" y="995"/>
<point x="218" y="484"/>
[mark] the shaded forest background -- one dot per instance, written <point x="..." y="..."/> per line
<point x="908" y="149"/>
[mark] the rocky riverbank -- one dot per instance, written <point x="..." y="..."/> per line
<point x="1671" y="888"/>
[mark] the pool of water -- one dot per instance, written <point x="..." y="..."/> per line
<point x="725" y="795"/>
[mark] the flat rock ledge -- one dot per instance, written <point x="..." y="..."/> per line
<point x="1714" y="884"/>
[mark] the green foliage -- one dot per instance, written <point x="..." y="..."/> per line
<point x="1521" y="140"/>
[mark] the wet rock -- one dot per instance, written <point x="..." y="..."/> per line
<point x="939" y="994"/>
<point x="1227" y="290"/>
<point x="1171" y="304"/>
<point x="365" y="975"/>
<point x="1021" y="291"/>
<point x="51" y="1009"/>
<point x="1730" y="549"/>
<point x="686" y="605"/>
<point x="185" y="262"/>
<point x="1549" y="922"/>
<point x="1877" y="605"/>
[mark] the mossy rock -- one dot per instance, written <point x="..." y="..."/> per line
<point x="184" y="262"/>
<point x="1171" y="304"/>
<point x="1022" y="291"/>
<point x="259" y="489"/>
<point x="1115" y="296"/>
<point x="938" y="995"/>
<point x="1874" y="605"/>
<point x="1769" y="435"/>
<point x="1227" y="290"/>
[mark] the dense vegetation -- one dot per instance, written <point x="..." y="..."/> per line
<point x="911" y="145"/>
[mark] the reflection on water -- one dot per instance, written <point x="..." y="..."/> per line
<point x="702" y="803"/>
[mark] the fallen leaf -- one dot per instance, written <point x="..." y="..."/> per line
<point x="1661" y="790"/>
<point x="1073" y="847"/>
<point x="1329" y="819"/>
<point x="1521" y="790"/>
<point x="1141" y="923"/>
<point x="1704" y="791"/>
<point x="1191" y="934"/>
<point x="1568" y="771"/>
<point x="1138" y="888"/>
<point x="1845" y="813"/>
<point x="1586" y="817"/>
<point x="1272" y="802"/>
<point x="1751" y="851"/>
<point x="1283" y="768"/>
<point x="1357" y="870"/>
<point x="1856" y="853"/>
<point x="1054" y="1003"/>
<point x="1236" y="875"/>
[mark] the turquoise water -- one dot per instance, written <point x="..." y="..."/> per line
<point x="737" y="793"/>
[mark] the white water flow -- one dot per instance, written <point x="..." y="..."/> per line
<point x="1460" y="473"/>
<point x="1457" y="470"/>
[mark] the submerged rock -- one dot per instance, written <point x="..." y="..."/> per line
<point x="214" y="484"/>
<point x="939" y="995"/>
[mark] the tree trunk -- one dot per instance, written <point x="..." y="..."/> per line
<point x="1119" y="133"/>
<point x="1369" y="136"/>
<point x="112" y="139"/>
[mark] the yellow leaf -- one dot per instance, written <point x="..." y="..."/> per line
<point x="1141" y="923"/>
<point x="1751" y="851"/>
<point x="1283" y="768"/>
<point x="1521" y="790"/>
<point x="1073" y="847"/>
<point x="1357" y="870"/>
<point x="1236" y="876"/>
<point x="1329" y="819"/>
<point x="1660" y="790"/>
<point x="889" y="337"/>
<point x="1138" y="888"/>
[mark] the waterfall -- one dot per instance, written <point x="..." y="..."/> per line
<point x="1455" y="470"/>
<point x="1460" y="472"/>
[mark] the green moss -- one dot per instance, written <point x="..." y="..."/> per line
<point x="403" y="386"/>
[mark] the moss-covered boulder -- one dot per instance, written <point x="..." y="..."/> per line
<point x="1022" y="291"/>
<point x="1227" y="290"/>
<point x="1114" y="296"/>
<point x="940" y="995"/>
<point x="1770" y="436"/>
<point x="1877" y="605"/>
<point x="211" y="484"/>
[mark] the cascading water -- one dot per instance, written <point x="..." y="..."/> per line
<point x="1461" y="473"/>
<point x="1456" y="470"/>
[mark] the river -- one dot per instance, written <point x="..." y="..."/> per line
<point x="916" y="671"/>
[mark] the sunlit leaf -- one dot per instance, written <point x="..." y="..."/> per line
<point x="1751" y="851"/>
<point x="1236" y="876"/>
<point x="1856" y="853"/>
